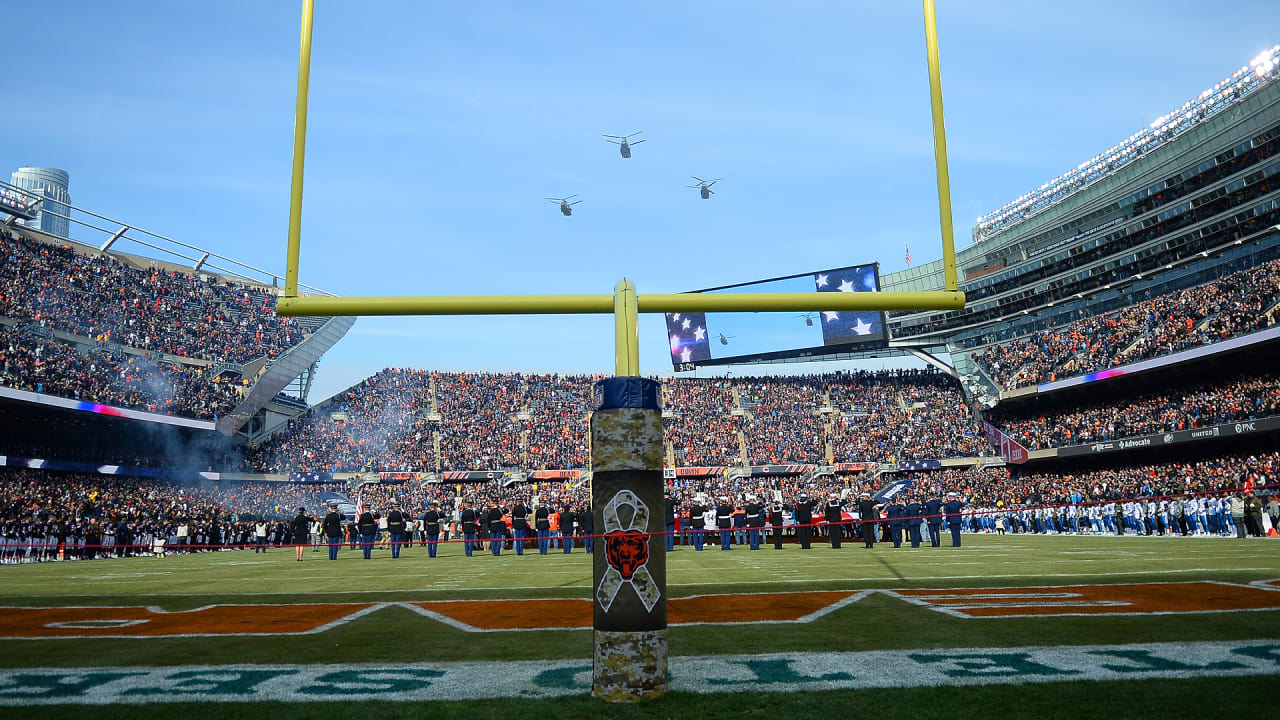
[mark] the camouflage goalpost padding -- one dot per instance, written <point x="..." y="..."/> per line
<point x="629" y="565"/>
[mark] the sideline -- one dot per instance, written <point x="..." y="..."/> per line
<point x="777" y="672"/>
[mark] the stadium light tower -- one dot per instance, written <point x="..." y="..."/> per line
<point x="630" y="658"/>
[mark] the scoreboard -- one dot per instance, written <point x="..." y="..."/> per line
<point x="726" y="338"/>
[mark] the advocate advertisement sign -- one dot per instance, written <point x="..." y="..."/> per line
<point x="1247" y="427"/>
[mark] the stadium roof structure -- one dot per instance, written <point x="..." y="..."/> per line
<point x="1230" y="90"/>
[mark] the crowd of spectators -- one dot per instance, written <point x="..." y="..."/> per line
<point x="167" y="311"/>
<point x="903" y="415"/>
<point x="1195" y="405"/>
<point x="488" y="421"/>
<point x="379" y="423"/>
<point x="1002" y="486"/>
<point x="132" y="330"/>
<point x="700" y="426"/>
<point x="109" y="376"/>
<point x="557" y="409"/>
<point x="1234" y="305"/>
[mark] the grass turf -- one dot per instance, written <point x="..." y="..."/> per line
<point x="395" y="635"/>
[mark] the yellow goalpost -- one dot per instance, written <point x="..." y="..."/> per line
<point x="624" y="303"/>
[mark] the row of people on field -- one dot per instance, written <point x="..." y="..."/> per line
<point x="58" y="511"/>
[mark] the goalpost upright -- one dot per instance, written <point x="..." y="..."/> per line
<point x="630" y="597"/>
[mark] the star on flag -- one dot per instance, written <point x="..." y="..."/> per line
<point x="846" y="326"/>
<point x="687" y="337"/>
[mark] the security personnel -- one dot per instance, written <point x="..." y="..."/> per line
<point x="775" y="519"/>
<point x="332" y="527"/>
<point x="696" y="513"/>
<point x="470" y="519"/>
<point x="542" y="525"/>
<point x="804" y="520"/>
<point x="301" y="523"/>
<point x="519" y="525"/>
<point x="895" y="511"/>
<point x="395" y="528"/>
<point x="912" y="519"/>
<point x="587" y="527"/>
<point x="953" y="506"/>
<point x="933" y="516"/>
<point x="755" y="522"/>
<point x="567" y="518"/>
<point x="833" y="514"/>
<point x="724" y="521"/>
<point x="431" y="528"/>
<point x="368" y="527"/>
<point x="497" y="530"/>
<point x="869" y="512"/>
<point x="669" y="516"/>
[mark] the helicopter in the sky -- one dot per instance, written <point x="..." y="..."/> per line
<point x="808" y="318"/>
<point x="566" y="207"/>
<point x="704" y="186"/>
<point x="621" y="142"/>
<point x="724" y="339"/>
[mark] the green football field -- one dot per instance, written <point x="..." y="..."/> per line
<point x="1031" y="625"/>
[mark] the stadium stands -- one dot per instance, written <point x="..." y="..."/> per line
<point x="1237" y="304"/>
<point x="102" y="298"/>
<point x="1186" y="223"/>
<point x="1196" y="404"/>
<point x="492" y="421"/>
<point x="96" y="328"/>
<point x="1163" y="129"/>
<point x="111" y="377"/>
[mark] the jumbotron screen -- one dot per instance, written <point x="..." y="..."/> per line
<point x="745" y="337"/>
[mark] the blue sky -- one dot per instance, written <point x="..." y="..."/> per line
<point x="438" y="128"/>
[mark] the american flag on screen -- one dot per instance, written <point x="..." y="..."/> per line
<point x="844" y="326"/>
<point x="688" y="337"/>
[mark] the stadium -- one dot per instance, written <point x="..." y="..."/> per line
<point x="1065" y="499"/>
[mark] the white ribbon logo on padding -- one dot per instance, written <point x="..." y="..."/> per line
<point x="627" y="553"/>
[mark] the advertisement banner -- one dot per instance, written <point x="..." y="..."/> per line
<point x="1178" y="437"/>
<point x="1012" y="451"/>
<point x="554" y="474"/>
<point x="780" y="469"/>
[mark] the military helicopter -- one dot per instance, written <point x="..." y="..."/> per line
<point x="704" y="186"/>
<point x="621" y="141"/>
<point x="566" y="207"/>
<point x="724" y="339"/>
<point x="808" y="318"/>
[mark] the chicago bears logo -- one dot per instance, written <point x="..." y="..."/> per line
<point x="626" y="551"/>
